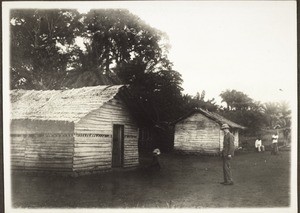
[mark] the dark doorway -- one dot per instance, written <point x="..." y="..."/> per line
<point x="118" y="146"/>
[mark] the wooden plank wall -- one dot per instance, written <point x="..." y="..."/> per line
<point x="42" y="145"/>
<point x="93" y="140"/>
<point x="197" y="133"/>
<point x="221" y="139"/>
<point x="17" y="151"/>
<point x="236" y="138"/>
<point x="92" y="152"/>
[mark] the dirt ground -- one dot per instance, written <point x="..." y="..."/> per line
<point x="261" y="180"/>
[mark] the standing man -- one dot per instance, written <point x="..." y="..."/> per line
<point x="275" y="144"/>
<point x="227" y="154"/>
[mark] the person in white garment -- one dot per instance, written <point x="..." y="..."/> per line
<point x="259" y="146"/>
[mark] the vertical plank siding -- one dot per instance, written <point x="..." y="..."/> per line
<point x="95" y="153"/>
<point x="41" y="145"/>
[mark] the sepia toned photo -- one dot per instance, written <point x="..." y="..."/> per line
<point x="150" y="106"/>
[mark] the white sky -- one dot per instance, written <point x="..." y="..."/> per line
<point x="248" y="46"/>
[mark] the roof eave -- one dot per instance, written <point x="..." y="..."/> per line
<point x="203" y="112"/>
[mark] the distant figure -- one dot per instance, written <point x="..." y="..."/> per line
<point x="155" y="162"/>
<point x="258" y="145"/>
<point x="227" y="154"/>
<point x="274" y="144"/>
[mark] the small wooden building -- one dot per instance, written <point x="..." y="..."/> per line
<point x="79" y="130"/>
<point x="199" y="132"/>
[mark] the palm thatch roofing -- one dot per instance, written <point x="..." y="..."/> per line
<point x="60" y="105"/>
<point x="211" y="115"/>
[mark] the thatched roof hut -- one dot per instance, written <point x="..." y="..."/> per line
<point x="77" y="130"/>
<point x="199" y="132"/>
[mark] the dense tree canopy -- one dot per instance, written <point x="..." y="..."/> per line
<point x="37" y="61"/>
<point x="254" y="115"/>
<point x="198" y="101"/>
<point x="115" y="39"/>
<point x="236" y="100"/>
<point x="277" y="114"/>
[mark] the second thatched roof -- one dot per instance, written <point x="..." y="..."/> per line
<point x="213" y="116"/>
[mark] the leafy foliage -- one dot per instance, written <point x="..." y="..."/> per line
<point x="236" y="100"/>
<point x="37" y="61"/>
<point x="113" y="39"/>
<point x="192" y="102"/>
<point x="254" y="115"/>
<point x="277" y="114"/>
<point x="158" y="92"/>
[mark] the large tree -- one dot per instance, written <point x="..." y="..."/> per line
<point x="189" y="102"/>
<point x="255" y="115"/>
<point x="157" y="91"/>
<point x="236" y="100"/>
<point x="277" y="114"/>
<point x="39" y="46"/>
<point x="115" y="38"/>
<point x="120" y="48"/>
<point x="243" y="110"/>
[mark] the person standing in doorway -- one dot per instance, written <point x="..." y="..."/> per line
<point x="227" y="154"/>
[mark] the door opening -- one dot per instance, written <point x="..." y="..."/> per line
<point x="118" y="146"/>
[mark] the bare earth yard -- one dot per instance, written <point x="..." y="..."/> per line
<point x="261" y="180"/>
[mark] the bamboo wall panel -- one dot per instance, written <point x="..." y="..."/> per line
<point x="236" y="139"/>
<point x="27" y="126"/>
<point x="197" y="133"/>
<point x="42" y="145"/>
<point x="49" y="152"/>
<point x="95" y="153"/>
<point x="91" y="152"/>
<point x="17" y="152"/>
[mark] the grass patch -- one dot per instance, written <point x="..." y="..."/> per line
<point x="185" y="181"/>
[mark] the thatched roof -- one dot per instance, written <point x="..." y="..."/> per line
<point x="60" y="105"/>
<point x="213" y="116"/>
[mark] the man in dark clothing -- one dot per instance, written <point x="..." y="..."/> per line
<point x="227" y="154"/>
